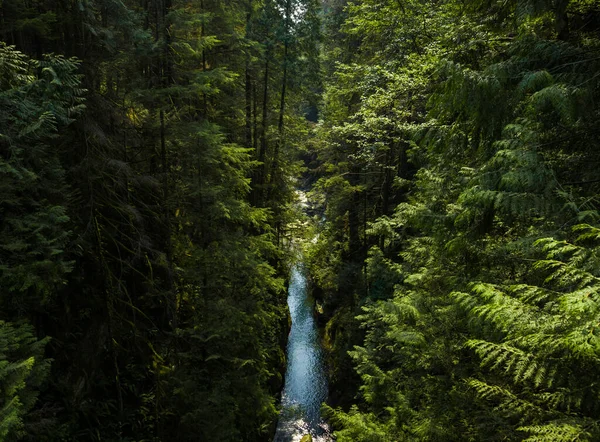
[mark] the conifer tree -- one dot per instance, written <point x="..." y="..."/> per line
<point x="130" y="236"/>
<point x="471" y="121"/>
<point x="38" y="98"/>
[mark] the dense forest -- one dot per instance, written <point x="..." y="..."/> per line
<point x="150" y="153"/>
<point x="458" y="260"/>
<point x="147" y="168"/>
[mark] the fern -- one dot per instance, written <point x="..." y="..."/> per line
<point x="548" y="333"/>
<point x="22" y="372"/>
<point x="33" y="238"/>
<point x="557" y="432"/>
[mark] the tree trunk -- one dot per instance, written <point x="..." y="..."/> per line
<point x="204" y="97"/>
<point x="248" y="85"/>
<point x="280" y="127"/>
<point x="263" y="136"/>
<point x="387" y="182"/>
<point x="353" y="215"/>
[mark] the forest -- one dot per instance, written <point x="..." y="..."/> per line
<point x="152" y="153"/>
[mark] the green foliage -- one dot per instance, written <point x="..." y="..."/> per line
<point x="458" y="142"/>
<point x="35" y="107"/>
<point x="545" y="342"/>
<point x="136" y="231"/>
<point x="23" y="370"/>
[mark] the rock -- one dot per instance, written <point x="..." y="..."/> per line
<point x="307" y="438"/>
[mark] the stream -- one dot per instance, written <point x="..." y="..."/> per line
<point x="305" y="380"/>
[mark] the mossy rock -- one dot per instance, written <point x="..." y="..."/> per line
<point x="307" y="438"/>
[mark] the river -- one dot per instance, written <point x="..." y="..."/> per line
<point x="305" y="380"/>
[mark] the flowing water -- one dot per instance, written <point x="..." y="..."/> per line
<point x="305" y="381"/>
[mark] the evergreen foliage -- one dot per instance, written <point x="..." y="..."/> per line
<point x="23" y="370"/>
<point x="38" y="99"/>
<point x="149" y="153"/>
<point x="145" y="232"/>
<point x="457" y="158"/>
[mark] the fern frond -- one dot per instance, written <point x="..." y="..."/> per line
<point x="535" y="81"/>
<point x="556" y="97"/>
<point x="556" y="432"/>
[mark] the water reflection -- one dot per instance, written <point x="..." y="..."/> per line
<point x="305" y="382"/>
